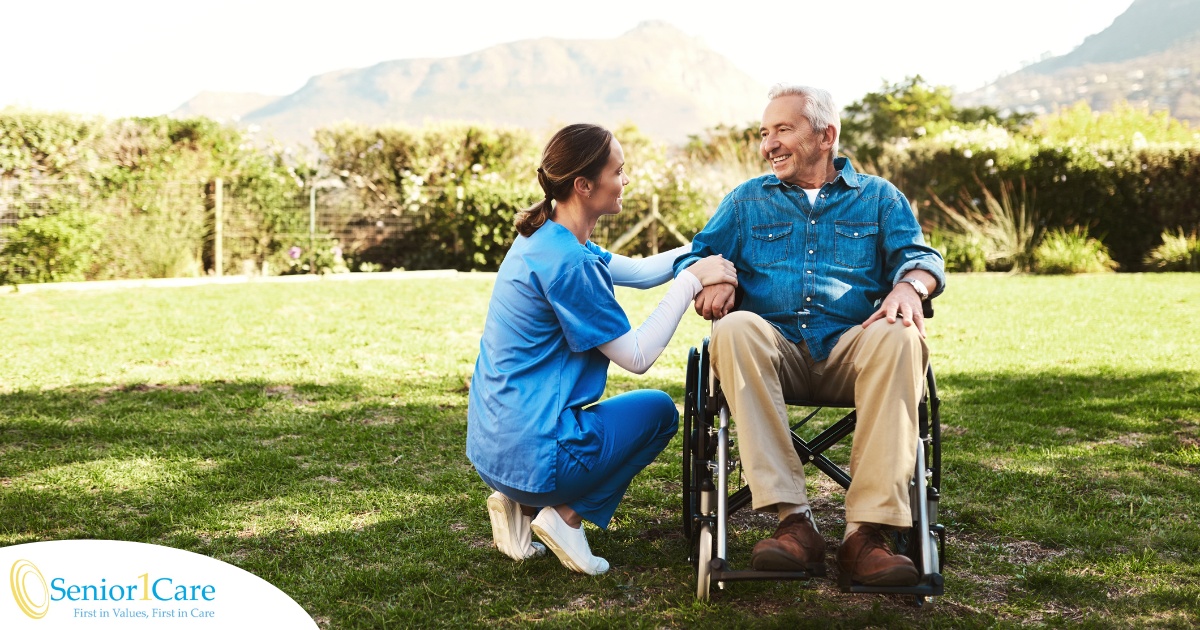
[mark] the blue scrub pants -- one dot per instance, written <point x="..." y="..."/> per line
<point x="637" y="427"/>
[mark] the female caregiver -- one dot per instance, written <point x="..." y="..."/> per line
<point x="535" y="432"/>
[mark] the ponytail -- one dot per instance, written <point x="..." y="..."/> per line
<point x="530" y="219"/>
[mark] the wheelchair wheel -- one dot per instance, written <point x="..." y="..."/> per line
<point x="704" y="556"/>
<point x="690" y="422"/>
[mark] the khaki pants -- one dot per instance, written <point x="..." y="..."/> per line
<point x="880" y="370"/>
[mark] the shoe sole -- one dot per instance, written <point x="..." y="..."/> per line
<point x="775" y="560"/>
<point x="895" y="576"/>
<point x="499" y="516"/>
<point x="563" y="557"/>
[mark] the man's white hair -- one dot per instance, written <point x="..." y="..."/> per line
<point x="819" y="108"/>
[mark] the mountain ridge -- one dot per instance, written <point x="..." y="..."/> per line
<point x="668" y="83"/>
<point x="1149" y="57"/>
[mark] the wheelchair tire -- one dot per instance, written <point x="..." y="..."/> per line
<point x="704" y="556"/>
<point x="690" y="420"/>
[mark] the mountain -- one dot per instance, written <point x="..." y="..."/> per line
<point x="667" y="83"/>
<point x="1149" y="56"/>
<point x="223" y="105"/>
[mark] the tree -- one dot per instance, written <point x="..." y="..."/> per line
<point x="904" y="110"/>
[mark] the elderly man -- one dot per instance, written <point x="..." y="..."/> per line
<point x="833" y="269"/>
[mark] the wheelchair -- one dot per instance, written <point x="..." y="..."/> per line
<point x="708" y="503"/>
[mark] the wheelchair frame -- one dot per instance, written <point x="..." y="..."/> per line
<point x="707" y="503"/>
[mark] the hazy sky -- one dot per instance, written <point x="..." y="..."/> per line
<point x="146" y="57"/>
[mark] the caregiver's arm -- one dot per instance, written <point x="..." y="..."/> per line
<point x="644" y="273"/>
<point x="637" y="349"/>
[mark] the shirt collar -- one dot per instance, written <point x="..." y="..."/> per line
<point x="846" y="174"/>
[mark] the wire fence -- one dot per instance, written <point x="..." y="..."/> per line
<point x="223" y="228"/>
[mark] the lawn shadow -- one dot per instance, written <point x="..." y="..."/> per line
<point x="145" y="462"/>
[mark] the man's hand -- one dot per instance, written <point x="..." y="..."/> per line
<point x="903" y="303"/>
<point x="715" y="301"/>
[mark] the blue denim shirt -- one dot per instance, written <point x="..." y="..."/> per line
<point x="813" y="271"/>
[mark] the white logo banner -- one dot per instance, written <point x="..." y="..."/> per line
<point x="83" y="584"/>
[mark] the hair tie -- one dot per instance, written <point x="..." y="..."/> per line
<point x="544" y="181"/>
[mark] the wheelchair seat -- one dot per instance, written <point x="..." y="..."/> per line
<point x="708" y="501"/>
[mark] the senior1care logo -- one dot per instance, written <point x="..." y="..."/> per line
<point x="110" y="583"/>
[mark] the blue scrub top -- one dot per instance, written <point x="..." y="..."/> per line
<point x="538" y="365"/>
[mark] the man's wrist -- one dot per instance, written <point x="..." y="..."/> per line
<point x="919" y="287"/>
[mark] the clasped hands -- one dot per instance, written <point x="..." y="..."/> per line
<point x="719" y="277"/>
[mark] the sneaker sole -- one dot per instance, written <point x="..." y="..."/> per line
<point x="563" y="557"/>
<point x="501" y="523"/>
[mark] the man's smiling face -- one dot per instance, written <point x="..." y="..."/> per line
<point x="794" y="150"/>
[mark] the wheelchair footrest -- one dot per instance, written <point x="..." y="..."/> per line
<point x="930" y="585"/>
<point x="720" y="572"/>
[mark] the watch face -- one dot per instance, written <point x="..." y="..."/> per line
<point x="921" y="290"/>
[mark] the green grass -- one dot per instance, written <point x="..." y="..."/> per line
<point x="313" y="435"/>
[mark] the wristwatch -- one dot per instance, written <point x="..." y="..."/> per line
<point x="922" y="292"/>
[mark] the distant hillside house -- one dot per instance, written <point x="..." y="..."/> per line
<point x="1149" y="56"/>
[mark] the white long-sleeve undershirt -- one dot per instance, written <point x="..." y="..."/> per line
<point x="637" y="350"/>
<point x="644" y="273"/>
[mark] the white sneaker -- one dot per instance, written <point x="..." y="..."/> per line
<point x="510" y="529"/>
<point x="568" y="543"/>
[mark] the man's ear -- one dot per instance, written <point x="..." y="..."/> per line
<point x="828" y="137"/>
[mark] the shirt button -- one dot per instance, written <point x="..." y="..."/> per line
<point x="810" y="251"/>
<point x="773" y="236"/>
<point x="814" y="221"/>
<point x="807" y="299"/>
<point x="856" y="233"/>
<point x="804" y="325"/>
<point x="809" y="271"/>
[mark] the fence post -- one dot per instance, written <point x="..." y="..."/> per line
<point x="218" y="229"/>
<point x="654" y="224"/>
<point x="312" y="228"/>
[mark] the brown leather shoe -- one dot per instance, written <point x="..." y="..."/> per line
<point x="796" y="546"/>
<point x="865" y="558"/>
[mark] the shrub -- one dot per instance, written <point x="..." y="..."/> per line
<point x="1072" y="251"/>
<point x="1005" y="228"/>
<point x="1178" y="252"/>
<point x="324" y="257"/>
<point x="1128" y="177"/>
<point x="141" y="184"/>
<point x="688" y="190"/>
<point x="962" y="252"/>
<point x="1122" y="125"/>
<point x="456" y="186"/>
<point x="58" y="247"/>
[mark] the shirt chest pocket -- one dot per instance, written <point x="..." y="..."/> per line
<point x="769" y="243"/>
<point x="855" y="244"/>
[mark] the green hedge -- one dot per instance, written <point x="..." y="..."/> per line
<point x="88" y="198"/>
<point x="461" y="186"/>
<point x="1125" y="195"/>
<point x="139" y="193"/>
